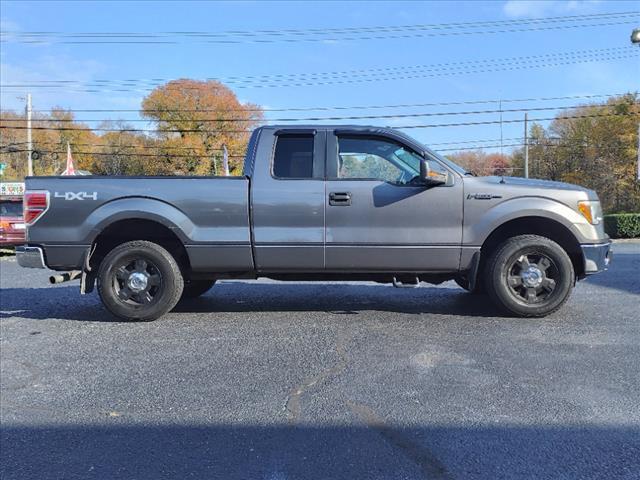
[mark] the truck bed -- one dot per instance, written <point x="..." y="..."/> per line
<point x="210" y="215"/>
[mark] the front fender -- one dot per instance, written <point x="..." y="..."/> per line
<point x="476" y="230"/>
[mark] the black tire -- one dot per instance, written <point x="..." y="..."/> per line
<point x="463" y="282"/>
<point x="195" y="288"/>
<point x="529" y="276"/>
<point x="122" y="285"/>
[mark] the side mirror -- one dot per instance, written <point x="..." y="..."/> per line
<point x="430" y="177"/>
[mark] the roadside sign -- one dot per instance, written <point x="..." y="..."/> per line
<point x="12" y="188"/>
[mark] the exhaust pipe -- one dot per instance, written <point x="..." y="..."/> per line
<point x="65" y="277"/>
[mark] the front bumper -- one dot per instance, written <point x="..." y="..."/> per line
<point x="596" y="257"/>
<point x="30" y="257"/>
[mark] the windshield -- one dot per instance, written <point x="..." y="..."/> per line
<point x="10" y="208"/>
<point x="435" y="156"/>
<point x="407" y="158"/>
<point x="453" y="166"/>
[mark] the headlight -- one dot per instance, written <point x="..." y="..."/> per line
<point x="591" y="210"/>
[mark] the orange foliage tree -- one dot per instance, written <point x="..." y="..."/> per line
<point x="194" y="120"/>
<point x="51" y="132"/>
<point x="483" y="163"/>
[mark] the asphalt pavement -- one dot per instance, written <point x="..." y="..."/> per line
<point x="267" y="380"/>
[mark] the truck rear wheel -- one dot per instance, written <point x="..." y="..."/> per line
<point x="139" y="280"/>
<point x="529" y="276"/>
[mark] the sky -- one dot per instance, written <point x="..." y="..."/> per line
<point x="405" y="66"/>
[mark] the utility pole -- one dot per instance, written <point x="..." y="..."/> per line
<point x="500" y="126"/>
<point x="635" y="39"/>
<point x="526" y="146"/>
<point x="29" y="143"/>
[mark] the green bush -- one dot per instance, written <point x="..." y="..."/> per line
<point x="622" y="225"/>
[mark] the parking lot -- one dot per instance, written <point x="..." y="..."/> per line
<point x="285" y="381"/>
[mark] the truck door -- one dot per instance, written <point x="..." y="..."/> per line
<point x="379" y="217"/>
<point x="288" y="207"/>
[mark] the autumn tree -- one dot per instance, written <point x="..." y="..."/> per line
<point x="51" y="132"/>
<point x="194" y="120"/>
<point x="122" y="151"/>
<point x="13" y="145"/>
<point x="594" y="146"/>
<point x="482" y="163"/>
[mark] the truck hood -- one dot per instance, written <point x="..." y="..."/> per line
<point x="508" y="188"/>
<point x="529" y="186"/>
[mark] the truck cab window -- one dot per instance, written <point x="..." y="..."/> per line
<point x="376" y="159"/>
<point x="293" y="157"/>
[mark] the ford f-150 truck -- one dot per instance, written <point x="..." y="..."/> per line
<point x="317" y="203"/>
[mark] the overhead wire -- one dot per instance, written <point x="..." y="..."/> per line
<point x="354" y="76"/>
<point x="487" y="122"/>
<point x="309" y="119"/>
<point x="325" y="34"/>
<point x="335" y="107"/>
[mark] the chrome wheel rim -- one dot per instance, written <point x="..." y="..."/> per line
<point x="137" y="282"/>
<point x="532" y="278"/>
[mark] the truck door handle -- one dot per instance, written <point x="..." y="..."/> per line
<point x="340" y="199"/>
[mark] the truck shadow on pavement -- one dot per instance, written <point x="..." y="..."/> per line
<point x="627" y="278"/>
<point x="64" y="302"/>
<point x="338" y="298"/>
<point x="365" y="450"/>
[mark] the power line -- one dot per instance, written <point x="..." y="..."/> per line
<point x="108" y="145"/>
<point x="477" y="144"/>
<point x="209" y="157"/>
<point x="142" y="146"/>
<point x="169" y="154"/>
<point x="566" y="18"/>
<point x="366" y="71"/>
<point x="125" y="154"/>
<point x="338" y="107"/>
<point x="326" y="34"/>
<point x="563" y="18"/>
<point x="488" y="122"/>
<point x="507" y="65"/>
<point x="384" y="36"/>
<point x="351" y="76"/>
<point x="314" y="119"/>
<point x="371" y="79"/>
<point x="463" y="64"/>
<point x="520" y="144"/>
<point x="519" y="120"/>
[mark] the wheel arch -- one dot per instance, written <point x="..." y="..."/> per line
<point x="128" y="229"/>
<point x="535" y="225"/>
<point x="138" y="208"/>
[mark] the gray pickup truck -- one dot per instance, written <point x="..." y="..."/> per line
<point x="317" y="203"/>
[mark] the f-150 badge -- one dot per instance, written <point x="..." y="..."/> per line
<point x="482" y="196"/>
<point x="76" y="195"/>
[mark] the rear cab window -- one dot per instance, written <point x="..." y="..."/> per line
<point x="293" y="156"/>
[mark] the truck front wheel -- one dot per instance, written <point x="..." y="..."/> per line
<point x="139" y="280"/>
<point x="529" y="276"/>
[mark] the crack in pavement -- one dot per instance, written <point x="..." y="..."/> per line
<point x="420" y="455"/>
<point x="292" y="402"/>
